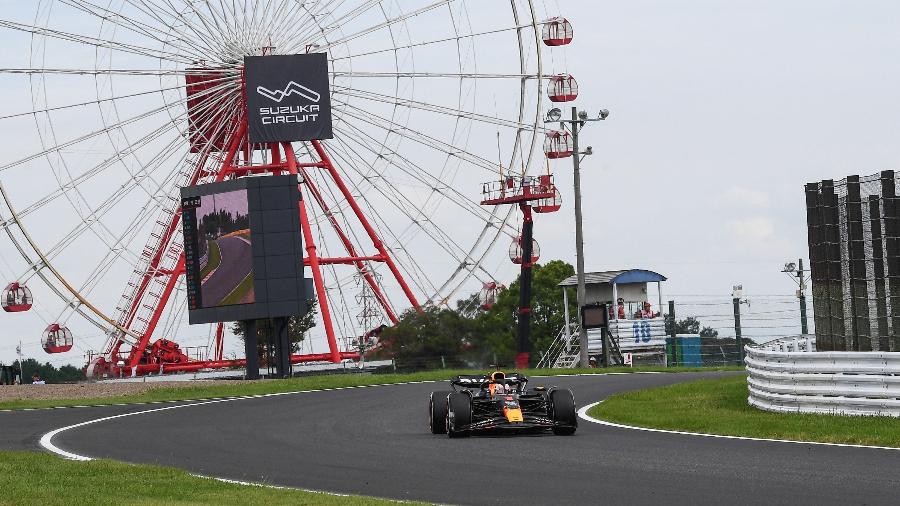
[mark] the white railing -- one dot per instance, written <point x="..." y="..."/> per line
<point x="832" y="382"/>
<point x="564" y="351"/>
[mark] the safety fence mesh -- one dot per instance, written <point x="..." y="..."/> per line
<point x="854" y="229"/>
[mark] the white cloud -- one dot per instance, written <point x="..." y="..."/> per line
<point x="756" y="234"/>
<point x="740" y="196"/>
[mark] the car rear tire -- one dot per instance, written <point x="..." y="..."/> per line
<point x="437" y="412"/>
<point x="562" y="409"/>
<point x="459" y="414"/>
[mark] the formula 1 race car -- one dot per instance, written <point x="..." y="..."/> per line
<point x="501" y="403"/>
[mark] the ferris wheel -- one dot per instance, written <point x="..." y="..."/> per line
<point x="121" y="103"/>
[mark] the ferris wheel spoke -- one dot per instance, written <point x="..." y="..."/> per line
<point x="467" y="263"/>
<point x="91" y="135"/>
<point x="96" y="101"/>
<point x="434" y="183"/>
<point x="335" y="24"/>
<point x="345" y="154"/>
<point x="124" y="72"/>
<point x="153" y="10"/>
<point x="295" y="38"/>
<point x="95" y="171"/>
<point x="383" y="123"/>
<point x="380" y="26"/>
<point x="414" y="213"/>
<point x="426" y="106"/>
<point x="135" y="179"/>
<point x="92" y="41"/>
<point x="446" y="40"/>
<point x="108" y="205"/>
<point x="137" y="27"/>
<point x="418" y="75"/>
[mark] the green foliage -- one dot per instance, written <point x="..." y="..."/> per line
<point x="719" y="406"/>
<point x="498" y="326"/>
<point x="49" y="373"/>
<point x="435" y="332"/>
<point x="297" y="327"/>
<point x="690" y="325"/>
<point x="469" y="336"/>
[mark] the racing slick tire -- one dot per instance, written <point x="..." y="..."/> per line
<point x="459" y="414"/>
<point x="437" y="412"/>
<point x="562" y="409"/>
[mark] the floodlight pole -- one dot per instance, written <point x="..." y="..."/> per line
<point x="573" y="126"/>
<point x="804" y="328"/>
<point x="579" y="246"/>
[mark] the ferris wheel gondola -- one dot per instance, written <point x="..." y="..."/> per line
<point x="16" y="298"/>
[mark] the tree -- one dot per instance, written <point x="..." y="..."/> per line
<point x="420" y="340"/>
<point x="297" y="327"/>
<point x="49" y="373"/>
<point x="709" y="332"/>
<point x="499" y="325"/>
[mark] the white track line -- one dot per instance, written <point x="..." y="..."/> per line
<point x="582" y="413"/>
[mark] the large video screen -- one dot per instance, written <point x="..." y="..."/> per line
<point x="243" y="251"/>
<point x="224" y="244"/>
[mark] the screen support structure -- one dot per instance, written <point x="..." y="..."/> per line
<point x="238" y="162"/>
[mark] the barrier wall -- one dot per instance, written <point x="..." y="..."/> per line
<point x="788" y="376"/>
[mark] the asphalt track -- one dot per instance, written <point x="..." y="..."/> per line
<point x="375" y="441"/>
<point x="234" y="266"/>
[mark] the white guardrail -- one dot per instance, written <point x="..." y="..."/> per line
<point x="788" y="375"/>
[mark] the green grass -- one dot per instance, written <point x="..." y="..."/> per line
<point x="41" y="479"/>
<point x="239" y="291"/>
<point x="215" y="257"/>
<point x="199" y="390"/>
<point x="719" y="406"/>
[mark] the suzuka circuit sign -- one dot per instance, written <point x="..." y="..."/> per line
<point x="288" y="97"/>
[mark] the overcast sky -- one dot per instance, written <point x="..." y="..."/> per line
<point x="720" y="112"/>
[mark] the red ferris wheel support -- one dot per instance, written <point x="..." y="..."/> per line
<point x="167" y="356"/>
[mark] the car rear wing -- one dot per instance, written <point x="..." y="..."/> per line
<point x="483" y="380"/>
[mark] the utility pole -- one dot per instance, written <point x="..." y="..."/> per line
<point x="797" y="270"/>
<point x="21" y="364"/>
<point x="804" y="328"/>
<point x="737" y="328"/>
<point x="579" y="248"/>
<point x="573" y="126"/>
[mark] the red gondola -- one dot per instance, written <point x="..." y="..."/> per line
<point x="557" y="32"/>
<point x="16" y="298"/>
<point x="562" y="88"/>
<point x="57" y="339"/>
<point x="515" y="251"/>
<point x="549" y="205"/>
<point x="557" y="144"/>
<point x="488" y="296"/>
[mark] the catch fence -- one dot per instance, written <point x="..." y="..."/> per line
<point x="854" y="249"/>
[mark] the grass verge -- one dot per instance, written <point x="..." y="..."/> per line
<point x="199" y="390"/>
<point x="215" y="257"/>
<point x="719" y="406"/>
<point x="39" y="478"/>
<point x="239" y="292"/>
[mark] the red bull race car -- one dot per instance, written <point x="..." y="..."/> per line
<point x="500" y="403"/>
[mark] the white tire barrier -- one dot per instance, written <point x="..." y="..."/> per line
<point x="833" y="382"/>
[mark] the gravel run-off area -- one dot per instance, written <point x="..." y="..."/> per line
<point x="92" y="390"/>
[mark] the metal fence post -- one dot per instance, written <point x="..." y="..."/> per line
<point x="673" y="333"/>
<point x="737" y="329"/>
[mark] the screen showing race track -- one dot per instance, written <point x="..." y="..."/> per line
<point x="243" y="251"/>
<point x="224" y="244"/>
